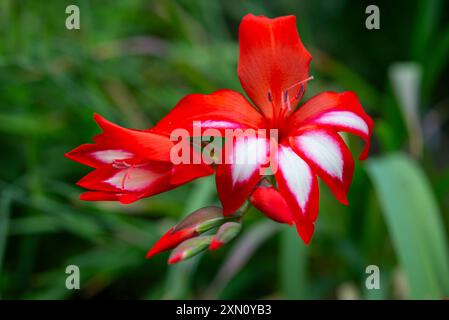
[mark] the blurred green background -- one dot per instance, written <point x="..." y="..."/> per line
<point x="131" y="61"/>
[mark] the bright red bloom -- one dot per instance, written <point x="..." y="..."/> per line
<point x="131" y="164"/>
<point x="273" y="70"/>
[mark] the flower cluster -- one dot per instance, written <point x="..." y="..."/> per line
<point x="281" y="178"/>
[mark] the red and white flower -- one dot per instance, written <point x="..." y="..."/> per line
<point x="131" y="164"/>
<point x="273" y="70"/>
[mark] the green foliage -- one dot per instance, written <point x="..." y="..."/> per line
<point x="131" y="61"/>
<point x="415" y="224"/>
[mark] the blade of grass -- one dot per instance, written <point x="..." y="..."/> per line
<point x="406" y="82"/>
<point x="428" y="15"/>
<point x="5" y="205"/>
<point x="414" y="222"/>
<point x="293" y="265"/>
<point x="239" y="255"/>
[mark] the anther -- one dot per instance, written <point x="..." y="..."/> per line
<point x="285" y="97"/>
<point x="300" y="92"/>
<point x="270" y="98"/>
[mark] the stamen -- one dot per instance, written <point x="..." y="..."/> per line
<point x="286" y="101"/>
<point x="285" y="96"/>
<point x="270" y="98"/>
<point x="300" y="82"/>
<point x="119" y="164"/>
<point x="300" y="92"/>
<point x="127" y="176"/>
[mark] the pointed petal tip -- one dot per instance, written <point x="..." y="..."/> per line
<point x="305" y="231"/>
<point x="343" y="199"/>
<point x="215" y="244"/>
<point x="97" y="117"/>
<point x="363" y="156"/>
<point x="151" y="253"/>
<point x="175" y="259"/>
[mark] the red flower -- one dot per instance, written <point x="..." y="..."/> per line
<point x="131" y="164"/>
<point x="273" y="70"/>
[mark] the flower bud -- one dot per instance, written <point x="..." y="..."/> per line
<point x="170" y="240"/>
<point x="225" y="234"/>
<point x="189" y="248"/>
<point x="194" y="224"/>
<point x="272" y="204"/>
<point x="202" y="220"/>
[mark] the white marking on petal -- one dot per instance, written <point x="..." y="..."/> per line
<point x="109" y="156"/>
<point x="249" y="152"/>
<point x="344" y="118"/>
<point x="323" y="150"/>
<point x="133" y="179"/>
<point x="219" y="124"/>
<point x="297" y="175"/>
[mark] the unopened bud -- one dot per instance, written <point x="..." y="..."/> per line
<point x="202" y="220"/>
<point x="225" y="234"/>
<point x="189" y="248"/>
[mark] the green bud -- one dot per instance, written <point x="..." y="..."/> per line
<point x="225" y="234"/>
<point x="189" y="248"/>
<point x="201" y="220"/>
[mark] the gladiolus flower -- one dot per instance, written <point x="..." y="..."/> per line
<point x="273" y="69"/>
<point x="130" y="165"/>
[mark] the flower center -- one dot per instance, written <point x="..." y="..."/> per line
<point x="287" y="105"/>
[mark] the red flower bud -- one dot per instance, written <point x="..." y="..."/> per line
<point x="194" y="224"/>
<point x="170" y="240"/>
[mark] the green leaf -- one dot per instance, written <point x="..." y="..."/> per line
<point x="239" y="255"/>
<point x="5" y="212"/>
<point x="406" y="81"/>
<point x="293" y="265"/>
<point x="428" y="16"/>
<point x="414" y="222"/>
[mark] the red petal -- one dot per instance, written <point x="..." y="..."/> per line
<point x="94" y="155"/>
<point x="272" y="59"/>
<point x="170" y="240"/>
<point x="219" y="110"/>
<point x="129" y="183"/>
<point x="184" y="173"/>
<point x="194" y="168"/>
<point x="237" y="177"/>
<point x="148" y="145"/>
<point x="326" y="153"/>
<point x="99" y="196"/>
<point x="339" y="111"/>
<point x="299" y="186"/>
<point x="271" y="203"/>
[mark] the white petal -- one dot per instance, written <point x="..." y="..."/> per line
<point x="322" y="150"/>
<point x="133" y="179"/>
<point x="297" y="175"/>
<point x="344" y="118"/>
<point x="109" y="156"/>
<point x="249" y="153"/>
